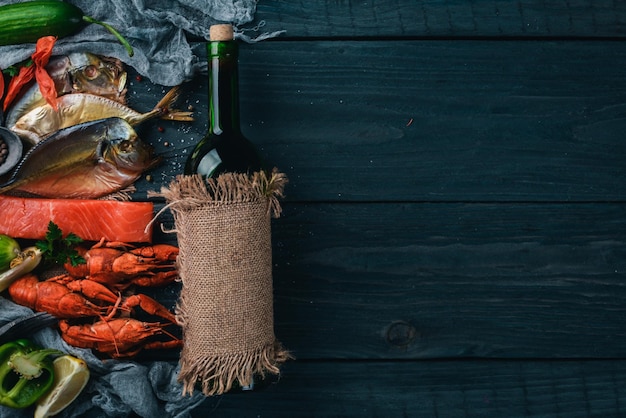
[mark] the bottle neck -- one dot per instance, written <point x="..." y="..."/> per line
<point x="223" y="87"/>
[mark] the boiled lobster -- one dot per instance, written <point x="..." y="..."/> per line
<point x="119" y="337"/>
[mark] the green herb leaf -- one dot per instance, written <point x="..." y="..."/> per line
<point x="72" y="239"/>
<point x="59" y="250"/>
<point x="13" y="70"/>
<point x="54" y="232"/>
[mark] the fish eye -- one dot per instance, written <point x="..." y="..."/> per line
<point x="91" y="72"/>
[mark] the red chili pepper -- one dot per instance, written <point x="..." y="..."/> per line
<point x="41" y="56"/>
<point x="15" y="85"/>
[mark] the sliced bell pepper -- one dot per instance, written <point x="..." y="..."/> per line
<point x="26" y="373"/>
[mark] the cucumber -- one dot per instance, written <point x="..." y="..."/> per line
<point x="22" y="23"/>
<point x="26" y="22"/>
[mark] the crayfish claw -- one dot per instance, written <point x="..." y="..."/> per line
<point x="150" y="306"/>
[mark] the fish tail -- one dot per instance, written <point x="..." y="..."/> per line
<point x="178" y="115"/>
<point x="164" y="110"/>
<point x="168" y="100"/>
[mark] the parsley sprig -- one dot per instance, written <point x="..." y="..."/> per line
<point x="58" y="249"/>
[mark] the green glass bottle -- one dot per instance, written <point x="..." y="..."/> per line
<point x="224" y="148"/>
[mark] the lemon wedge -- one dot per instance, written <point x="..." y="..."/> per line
<point x="70" y="377"/>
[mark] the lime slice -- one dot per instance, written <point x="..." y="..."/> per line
<point x="70" y="377"/>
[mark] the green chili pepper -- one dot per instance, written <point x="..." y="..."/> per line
<point x="26" y="373"/>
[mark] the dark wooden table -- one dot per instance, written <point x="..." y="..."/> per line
<point x="453" y="241"/>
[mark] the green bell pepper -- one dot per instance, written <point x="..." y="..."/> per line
<point x="26" y="373"/>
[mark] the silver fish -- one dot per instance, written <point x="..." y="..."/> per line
<point x="85" y="161"/>
<point x="77" y="72"/>
<point x="76" y="108"/>
<point x="83" y="72"/>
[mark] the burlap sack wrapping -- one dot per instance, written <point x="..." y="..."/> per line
<point x="225" y="265"/>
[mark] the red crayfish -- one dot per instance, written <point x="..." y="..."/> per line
<point x="93" y="292"/>
<point x="118" y="337"/>
<point x="120" y="265"/>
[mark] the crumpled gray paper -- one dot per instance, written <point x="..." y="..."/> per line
<point x="155" y="28"/>
<point x="116" y="388"/>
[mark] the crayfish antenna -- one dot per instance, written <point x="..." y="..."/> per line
<point x="114" y="308"/>
<point x="169" y="334"/>
<point x="105" y="320"/>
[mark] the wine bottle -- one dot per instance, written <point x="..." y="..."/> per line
<point x="224" y="148"/>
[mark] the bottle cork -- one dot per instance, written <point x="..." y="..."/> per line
<point x="221" y="32"/>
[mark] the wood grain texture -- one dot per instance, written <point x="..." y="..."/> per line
<point x="440" y="120"/>
<point x="434" y="389"/>
<point x="426" y="120"/>
<point x="452" y="18"/>
<point x="543" y="281"/>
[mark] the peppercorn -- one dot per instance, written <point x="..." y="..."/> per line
<point x="4" y="150"/>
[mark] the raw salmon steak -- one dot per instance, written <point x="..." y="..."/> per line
<point x="91" y="220"/>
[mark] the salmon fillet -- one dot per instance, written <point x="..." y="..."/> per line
<point x="91" y="220"/>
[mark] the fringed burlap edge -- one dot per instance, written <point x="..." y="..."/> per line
<point x="219" y="372"/>
<point x="186" y="192"/>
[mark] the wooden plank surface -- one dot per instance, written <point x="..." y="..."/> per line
<point x="543" y="281"/>
<point x="434" y="389"/>
<point x="450" y="18"/>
